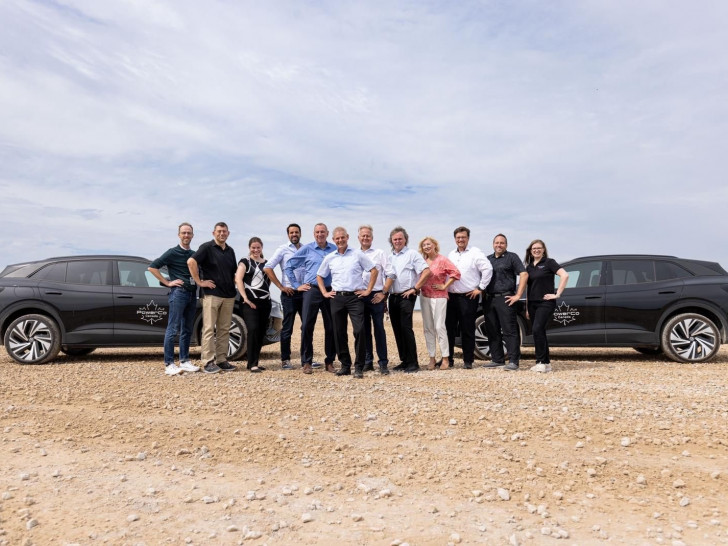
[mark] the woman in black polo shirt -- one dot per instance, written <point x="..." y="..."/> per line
<point x="254" y="287"/>
<point x="541" y="297"/>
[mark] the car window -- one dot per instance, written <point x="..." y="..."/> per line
<point x="583" y="274"/>
<point x="632" y="272"/>
<point x="668" y="270"/>
<point x="55" y="272"/>
<point x="136" y="274"/>
<point x="91" y="272"/>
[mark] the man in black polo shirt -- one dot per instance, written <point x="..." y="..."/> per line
<point x="218" y="264"/>
<point x="499" y="305"/>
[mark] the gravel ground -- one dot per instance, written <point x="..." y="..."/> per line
<point x="612" y="447"/>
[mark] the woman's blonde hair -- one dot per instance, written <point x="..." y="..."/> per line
<point x="434" y="243"/>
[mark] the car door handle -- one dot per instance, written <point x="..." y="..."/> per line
<point x="54" y="293"/>
<point x="666" y="292"/>
<point x="593" y="298"/>
<point x="125" y="297"/>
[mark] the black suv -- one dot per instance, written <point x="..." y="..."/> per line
<point x="75" y="304"/>
<point x="656" y="304"/>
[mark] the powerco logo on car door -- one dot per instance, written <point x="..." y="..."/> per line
<point x="152" y="313"/>
<point x="565" y="314"/>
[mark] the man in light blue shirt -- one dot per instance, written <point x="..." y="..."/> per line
<point x="309" y="257"/>
<point x="291" y="300"/>
<point x="346" y="266"/>
<point x="406" y="272"/>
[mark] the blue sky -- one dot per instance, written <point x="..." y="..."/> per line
<point x="598" y="126"/>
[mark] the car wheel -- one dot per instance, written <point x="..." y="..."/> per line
<point x="238" y="343"/>
<point x="33" y="339"/>
<point x="690" y="338"/>
<point x="78" y="351"/>
<point x="648" y="350"/>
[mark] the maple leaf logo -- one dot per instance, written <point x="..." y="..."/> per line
<point x="152" y="313"/>
<point x="563" y="314"/>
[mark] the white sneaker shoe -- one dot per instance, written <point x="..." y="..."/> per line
<point x="172" y="369"/>
<point x="188" y="366"/>
<point x="542" y="368"/>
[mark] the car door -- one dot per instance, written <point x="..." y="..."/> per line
<point x="140" y="305"/>
<point x="637" y="294"/>
<point x="81" y="292"/>
<point x="579" y="315"/>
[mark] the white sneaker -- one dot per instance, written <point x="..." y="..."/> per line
<point x="543" y="368"/>
<point x="172" y="369"/>
<point x="188" y="366"/>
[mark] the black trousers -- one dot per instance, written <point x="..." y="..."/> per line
<point x="313" y="301"/>
<point x="540" y="312"/>
<point x="343" y="307"/>
<point x="501" y="323"/>
<point x="461" y="314"/>
<point x="256" y="321"/>
<point x="400" y="313"/>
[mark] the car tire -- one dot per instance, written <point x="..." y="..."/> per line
<point x="648" y="350"/>
<point x="33" y="339"/>
<point x="690" y="337"/>
<point x="78" y="351"/>
<point x="238" y="343"/>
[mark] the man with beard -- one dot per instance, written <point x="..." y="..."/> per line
<point x="291" y="299"/>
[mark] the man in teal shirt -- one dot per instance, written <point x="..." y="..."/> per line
<point x="182" y="300"/>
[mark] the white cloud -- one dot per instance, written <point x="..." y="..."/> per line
<point x="596" y="126"/>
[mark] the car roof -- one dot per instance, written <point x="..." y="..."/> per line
<point x="22" y="265"/>
<point x="697" y="267"/>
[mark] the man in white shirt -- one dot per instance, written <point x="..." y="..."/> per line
<point x="291" y="300"/>
<point x="346" y="266"/>
<point x="406" y="272"/>
<point x="374" y="312"/>
<point x="464" y="294"/>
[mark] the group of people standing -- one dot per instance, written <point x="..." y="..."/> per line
<point x="358" y="285"/>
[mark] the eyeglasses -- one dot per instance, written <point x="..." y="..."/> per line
<point x="536" y="248"/>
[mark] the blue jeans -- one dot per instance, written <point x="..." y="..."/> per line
<point x="374" y="313"/>
<point x="182" y="306"/>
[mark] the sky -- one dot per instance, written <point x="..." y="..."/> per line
<point x="597" y="126"/>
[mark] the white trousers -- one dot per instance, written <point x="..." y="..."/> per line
<point x="433" y="321"/>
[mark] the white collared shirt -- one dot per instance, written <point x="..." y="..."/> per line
<point x="404" y="268"/>
<point x="475" y="270"/>
<point x="346" y="269"/>
<point x="280" y="257"/>
<point x="377" y="256"/>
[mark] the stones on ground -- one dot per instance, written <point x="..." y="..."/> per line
<point x="132" y="517"/>
<point x="306" y="517"/>
<point x="504" y="494"/>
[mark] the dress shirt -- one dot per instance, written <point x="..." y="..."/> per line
<point x="346" y="270"/>
<point x="505" y="270"/>
<point x="281" y="256"/>
<point x="404" y="268"/>
<point x="475" y="270"/>
<point x="309" y="257"/>
<point x="377" y="256"/>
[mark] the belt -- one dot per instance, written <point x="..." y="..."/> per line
<point x="502" y="294"/>
<point x="399" y="294"/>
<point x="342" y="293"/>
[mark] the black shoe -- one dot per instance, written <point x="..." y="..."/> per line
<point x="255" y="369"/>
<point x="451" y="365"/>
<point x="412" y="369"/>
<point x="511" y="367"/>
<point x="468" y="365"/>
<point x="494" y="365"/>
<point x="438" y="364"/>
<point x="368" y="367"/>
<point x="226" y="366"/>
<point x="383" y="369"/>
<point x="359" y="373"/>
<point x="345" y="370"/>
<point x="400" y="367"/>
<point x="261" y="368"/>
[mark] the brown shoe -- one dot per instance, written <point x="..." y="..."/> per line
<point x="307" y="368"/>
<point x="330" y="368"/>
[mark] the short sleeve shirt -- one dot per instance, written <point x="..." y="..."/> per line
<point x="541" y="278"/>
<point x="219" y="265"/>
<point x="505" y="270"/>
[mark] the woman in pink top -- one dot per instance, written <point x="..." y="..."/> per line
<point x="434" y="299"/>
